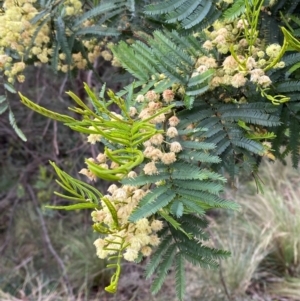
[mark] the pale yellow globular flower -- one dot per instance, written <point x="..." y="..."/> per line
<point x="256" y="74"/>
<point x="21" y="78"/>
<point x="238" y="80"/>
<point x="100" y="243"/>
<point x="280" y="65"/>
<point x="243" y="43"/>
<point x="226" y="79"/>
<point x="132" y="174"/>
<point x="104" y="165"/>
<point x="158" y="119"/>
<point x="132" y="111"/>
<point x="235" y="31"/>
<point x="156" y="225"/>
<point x="154" y="240"/>
<point x="220" y="41"/>
<point x="98" y="216"/>
<point x="106" y="55"/>
<point x="250" y="63"/>
<point x="260" y="54"/>
<point x="173" y="121"/>
<point x="146" y="251"/>
<point x="119" y="116"/>
<point x="175" y="147"/>
<point x="168" y="95"/>
<point x="208" y="45"/>
<point x="155" y="154"/>
<point x="140" y="98"/>
<point x="201" y="69"/>
<point x="64" y="68"/>
<point x="88" y="173"/>
<point x="264" y="81"/>
<point x="36" y="50"/>
<point x="172" y="132"/>
<point x="142" y="225"/>
<point x="273" y="50"/>
<point x="144" y="114"/>
<point x="128" y="189"/>
<point x="101" y="158"/>
<point x="153" y="106"/>
<point x="230" y="65"/>
<point x="150" y="168"/>
<point x="112" y="188"/>
<point x="138" y="194"/>
<point x="148" y="150"/>
<point x="70" y="10"/>
<point x="152" y="96"/>
<point x="93" y="138"/>
<point x="157" y="139"/>
<point x="261" y="63"/>
<point x="210" y="62"/>
<point x="147" y="143"/>
<point x="168" y="158"/>
<point x="222" y="31"/>
<point x="120" y="194"/>
<point x="131" y="254"/>
<point x="115" y="62"/>
<point x="79" y="61"/>
<point x="114" y="165"/>
<point x="242" y="23"/>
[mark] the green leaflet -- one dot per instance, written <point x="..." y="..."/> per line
<point x="189" y="14"/>
<point x="180" y="276"/>
<point x="80" y="190"/>
<point x="45" y="112"/>
<point x="78" y="206"/>
<point x="164" y="267"/>
<point x="152" y="207"/>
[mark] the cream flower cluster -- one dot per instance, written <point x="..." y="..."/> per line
<point x="155" y="147"/>
<point x="72" y="7"/>
<point x="16" y="33"/>
<point x="21" y="37"/>
<point x="243" y="62"/>
<point x="131" y="238"/>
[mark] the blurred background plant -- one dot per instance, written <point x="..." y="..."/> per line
<point x="263" y="240"/>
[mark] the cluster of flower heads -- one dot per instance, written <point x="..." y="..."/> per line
<point x="133" y="237"/>
<point x="244" y="63"/>
<point x="20" y="39"/>
<point x="139" y="237"/>
<point x="160" y="147"/>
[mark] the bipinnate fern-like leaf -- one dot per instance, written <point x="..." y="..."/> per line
<point x="14" y="125"/>
<point x="176" y="247"/>
<point x="190" y="14"/>
<point x="79" y="191"/>
<point x="102" y="8"/>
<point x="165" y="53"/>
<point x="41" y="110"/>
<point x="154" y="206"/>
<point x="222" y="122"/>
<point x="164" y="267"/>
<point x="234" y="11"/>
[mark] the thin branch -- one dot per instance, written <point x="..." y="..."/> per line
<point x="221" y="275"/>
<point x="48" y="242"/>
